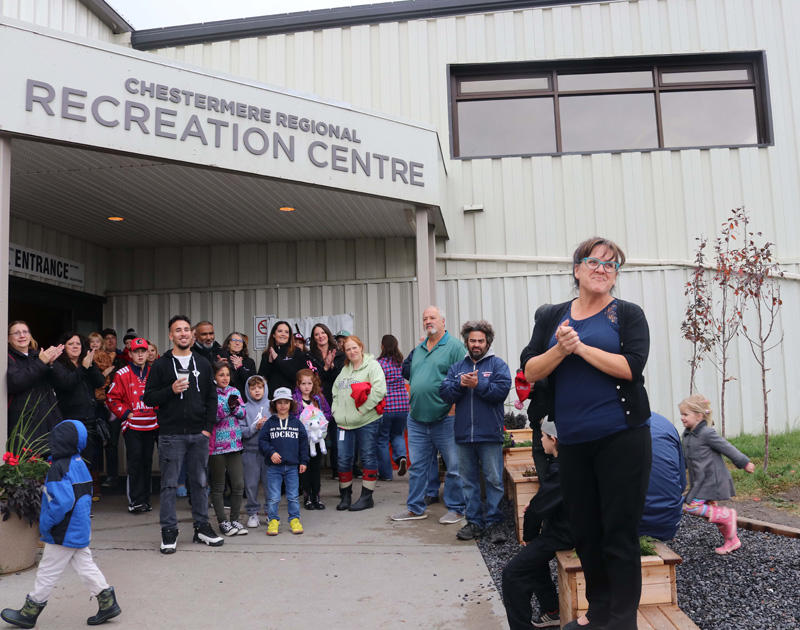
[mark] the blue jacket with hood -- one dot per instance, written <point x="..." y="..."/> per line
<point x="67" y="493"/>
<point x="479" y="410"/>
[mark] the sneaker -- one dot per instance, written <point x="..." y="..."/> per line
<point x="181" y="491"/>
<point x="496" y="534"/>
<point x="206" y="534"/>
<point x="309" y="504"/>
<point x="548" y="620"/>
<point x="227" y="528"/>
<point x="272" y="528"/>
<point x="109" y="482"/>
<point x="432" y="500"/>
<point x="402" y="466"/>
<point x="139" y="508"/>
<point x="470" y="531"/>
<point x="148" y="507"/>
<point x="408" y="516"/>
<point x="451" y="518"/>
<point x="295" y="526"/>
<point x="239" y="529"/>
<point x="252" y="522"/>
<point x="169" y="539"/>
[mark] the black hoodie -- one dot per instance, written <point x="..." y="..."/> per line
<point x="190" y="412"/>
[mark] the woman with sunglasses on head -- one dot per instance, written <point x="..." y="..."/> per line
<point x="234" y="353"/>
<point x="593" y="350"/>
<point x="30" y="390"/>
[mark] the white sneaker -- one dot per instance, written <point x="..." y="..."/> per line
<point x="451" y="518"/>
<point x="253" y="521"/>
<point x="238" y="528"/>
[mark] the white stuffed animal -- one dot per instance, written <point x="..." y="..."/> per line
<point x="316" y="425"/>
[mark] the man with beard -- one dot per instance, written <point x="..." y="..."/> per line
<point x="429" y="426"/>
<point x="204" y="343"/>
<point x="181" y="385"/>
<point x="478" y="386"/>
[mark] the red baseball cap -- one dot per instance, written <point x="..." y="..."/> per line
<point x="138" y="343"/>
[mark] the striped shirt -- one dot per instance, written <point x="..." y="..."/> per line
<point x="396" y="398"/>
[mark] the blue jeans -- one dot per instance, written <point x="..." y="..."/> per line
<point x="391" y="429"/>
<point x="366" y="437"/>
<point x="423" y="438"/>
<point x="171" y="451"/>
<point x="486" y="457"/>
<point x="290" y="475"/>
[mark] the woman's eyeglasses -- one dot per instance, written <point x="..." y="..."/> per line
<point x="237" y="340"/>
<point x="20" y="333"/>
<point x="609" y="266"/>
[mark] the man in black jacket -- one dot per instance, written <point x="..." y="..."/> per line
<point x="205" y="344"/>
<point x="545" y="530"/>
<point x="181" y="385"/>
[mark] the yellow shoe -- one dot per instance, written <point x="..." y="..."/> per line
<point x="295" y="526"/>
<point x="272" y="528"/>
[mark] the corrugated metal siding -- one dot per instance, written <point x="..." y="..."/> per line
<point x="653" y="203"/>
<point x="38" y="237"/>
<point x="69" y="16"/>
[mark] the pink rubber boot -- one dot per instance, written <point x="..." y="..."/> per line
<point x="725" y="519"/>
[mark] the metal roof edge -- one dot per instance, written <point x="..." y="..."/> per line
<point x="405" y="10"/>
<point x="108" y="16"/>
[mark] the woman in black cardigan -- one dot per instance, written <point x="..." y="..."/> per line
<point x="75" y="377"/>
<point x="242" y="367"/>
<point x="593" y="350"/>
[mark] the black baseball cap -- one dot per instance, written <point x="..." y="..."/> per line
<point x="108" y="331"/>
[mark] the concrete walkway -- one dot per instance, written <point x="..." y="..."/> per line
<point x="348" y="570"/>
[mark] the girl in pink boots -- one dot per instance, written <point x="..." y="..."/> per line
<point x="709" y="479"/>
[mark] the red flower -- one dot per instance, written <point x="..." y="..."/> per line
<point x="11" y="459"/>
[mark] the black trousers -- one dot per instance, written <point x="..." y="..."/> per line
<point x="527" y="574"/>
<point x="604" y="484"/>
<point x="112" y="445"/>
<point x="310" y="479"/>
<point x="333" y="447"/>
<point x="139" y="447"/>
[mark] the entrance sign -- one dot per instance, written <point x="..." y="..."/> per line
<point x="100" y="95"/>
<point x="44" y="265"/>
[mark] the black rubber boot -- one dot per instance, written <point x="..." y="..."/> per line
<point x="108" y="607"/>
<point x="26" y="616"/>
<point x="364" y="502"/>
<point x="347" y="497"/>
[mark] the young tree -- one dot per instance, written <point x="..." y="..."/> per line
<point x="727" y="261"/>
<point x="698" y="326"/>
<point x="760" y="274"/>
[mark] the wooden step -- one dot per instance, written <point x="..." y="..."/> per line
<point x="664" y="617"/>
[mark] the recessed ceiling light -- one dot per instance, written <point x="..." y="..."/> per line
<point x="286" y="209"/>
<point x="115" y="219"/>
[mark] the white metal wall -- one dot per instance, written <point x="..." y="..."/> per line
<point x="38" y="237"/>
<point x="70" y="16"/>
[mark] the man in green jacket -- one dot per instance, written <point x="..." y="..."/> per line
<point x="429" y="426"/>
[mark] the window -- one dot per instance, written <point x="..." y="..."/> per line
<point x="609" y="105"/>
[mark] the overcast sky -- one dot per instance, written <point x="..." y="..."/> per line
<point x="142" y="14"/>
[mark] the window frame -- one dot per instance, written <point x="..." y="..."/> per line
<point x="754" y="62"/>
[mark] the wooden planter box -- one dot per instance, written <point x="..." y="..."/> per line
<point x="658" y="582"/>
<point x="520" y="491"/>
<point x="517" y="455"/>
<point x="521" y="435"/>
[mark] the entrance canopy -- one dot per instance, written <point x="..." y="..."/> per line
<point x="100" y="128"/>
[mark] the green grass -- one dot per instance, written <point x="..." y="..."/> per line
<point x="783" y="472"/>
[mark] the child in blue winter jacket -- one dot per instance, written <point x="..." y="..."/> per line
<point x="66" y="530"/>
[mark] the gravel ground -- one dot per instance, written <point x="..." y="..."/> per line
<point x="757" y="587"/>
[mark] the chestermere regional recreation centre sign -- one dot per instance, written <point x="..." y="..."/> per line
<point x="68" y="89"/>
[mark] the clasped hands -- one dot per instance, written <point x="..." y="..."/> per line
<point x="567" y="339"/>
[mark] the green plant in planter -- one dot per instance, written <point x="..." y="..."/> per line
<point x="510" y="442"/>
<point x="22" y="474"/>
<point x="646" y="547"/>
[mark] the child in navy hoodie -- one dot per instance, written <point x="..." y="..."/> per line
<point x="283" y="442"/>
<point x="66" y="530"/>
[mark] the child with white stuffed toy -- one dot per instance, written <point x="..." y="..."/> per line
<point x="253" y="465"/>
<point x="315" y="415"/>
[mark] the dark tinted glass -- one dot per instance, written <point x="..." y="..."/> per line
<point x="505" y="85"/>
<point x="709" y="118"/>
<point x="608" y="122"/>
<point x="506" y="127"/>
<point x="704" y="76"/>
<point x="605" y="81"/>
